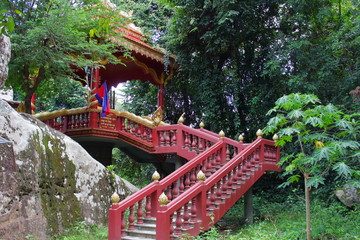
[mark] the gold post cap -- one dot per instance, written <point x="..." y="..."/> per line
<point x="275" y="137"/>
<point x="202" y="125"/>
<point x="200" y="176"/>
<point x="156" y="176"/>
<point x="163" y="199"/>
<point x="221" y="134"/>
<point x="259" y="133"/>
<point x="115" y="199"/>
<point x="241" y="138"/>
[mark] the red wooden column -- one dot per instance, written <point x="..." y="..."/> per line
<point x="95" y="85"/>
<point x="161" y="92"/>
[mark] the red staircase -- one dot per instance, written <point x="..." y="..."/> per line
<point x="192" y="198"/>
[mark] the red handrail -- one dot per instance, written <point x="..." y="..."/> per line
<point x="199" y="195"/>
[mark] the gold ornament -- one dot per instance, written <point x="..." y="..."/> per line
<point x="155" y="176"/>
<point x="221" y="134"/>
<point x="200" y="176"/>
<point x="181" y="119"/>
<point x="275" y="137"/>
<point x="157" y="116"/>
<point x="115" y="199"/>
<point x="163" y="199"/>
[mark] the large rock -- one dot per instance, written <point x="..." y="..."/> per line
<point x="48" y="181"/>
<point x="348" y="195"/>
<point x="5" y="52"/>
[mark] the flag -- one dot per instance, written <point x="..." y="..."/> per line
<point x="102" y="96"/>
<point x="106" y="103"/>
<point x="100" y="93"/>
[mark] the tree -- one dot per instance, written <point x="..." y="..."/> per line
<point x="53" y="39"/>
<point x="317" y="49"/>
<point x="322" y="139"/>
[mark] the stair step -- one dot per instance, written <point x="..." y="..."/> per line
<point x="146" y="227"/>
<point x="141" y="234"/>
<point x="135" y="238"/>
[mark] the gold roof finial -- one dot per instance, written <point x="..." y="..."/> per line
<point x="115" y="199"/>
<point x="241" y="138"/>
<point x="158" y="116"/>
<point x="163" y="199"/>
<point x="200" y="176"/>
<point x="202" y="125"/>
<point x="155" y="176"/>
<point x="275" y="137"/>
<point x="181" y="119"/>
<point x="259" y="133"/>
<point x="221" y="134"/>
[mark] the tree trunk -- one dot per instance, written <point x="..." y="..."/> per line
<point x="5" y="51"/>
<point x="28" y="102"/>
<point x="307" y="204"/>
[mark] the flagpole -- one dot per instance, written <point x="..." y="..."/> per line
<point x="94" y="115"/>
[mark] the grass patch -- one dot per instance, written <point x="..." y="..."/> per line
<point x="83" y="230"/>
<point x="273" y="221"/>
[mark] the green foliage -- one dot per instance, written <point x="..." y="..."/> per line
<point x="83" y="230"/>
<point x="324" y="139"/>
<point x="327" y="138"/>
<point x="285" y="221"/>
<point x="140" y="98"/>
<point x="137" y="173"/>
<point x="317" y="49"/>
<point x="52" y="42"/>
<point x="7" y="24"/>
<point x="61" y="93"/>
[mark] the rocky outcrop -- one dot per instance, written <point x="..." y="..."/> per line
<point x="5" y="52"/>
<point x="47" y="180"/>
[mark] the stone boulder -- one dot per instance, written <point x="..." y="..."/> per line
<point x="5" y="52"/>
<point x="348" y="195"/>
<point x="48" y="181"/>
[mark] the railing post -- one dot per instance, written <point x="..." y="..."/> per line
<point x="155" y="137"/>
<point x="163" y="224"/>
<point x="118" y="124"/>
<point x="262" y="153"/>
<point x="65" y="123"/>
<point x="201" y="203"/>
<point x="154" y="200"/>
<point x="223" y="152"/>
<point x="114" y="226"/>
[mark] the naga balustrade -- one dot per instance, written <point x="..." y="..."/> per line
<point x="85" y="121"/>
<point x="206" y="202"/>
<point x="180" y="139"/>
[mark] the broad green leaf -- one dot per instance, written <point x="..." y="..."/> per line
<point x="342" y="169"/>
<point x="344" y="124"/>
<point x="10" y="25"/>
<point x="290" y="168"/>
<point x="314" y="121"/>
<point x="294" y="178"/>
<point x="315" y="181"/>
<point x="288" y="131"/>
<point x="324" y="153"/>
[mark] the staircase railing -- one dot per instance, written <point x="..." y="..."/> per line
<point x="207" y="201"/>
<point x="183" y="180"/>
